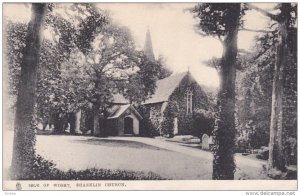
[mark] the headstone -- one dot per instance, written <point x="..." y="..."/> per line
<point x="89" y="132"/>
<point x="205" y="142"/>
<point x="40" y="126"/>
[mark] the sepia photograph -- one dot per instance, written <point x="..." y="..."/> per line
<point x="149" y="96"/>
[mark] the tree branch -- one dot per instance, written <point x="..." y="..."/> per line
<point x="98" y="72"/>
<point x="264" y="12"/>
<point x="88" y="73"/>
<point x="256" y="31"/>
<point x="220" y="39"/>
<point x="260" y="54"/>
<point x="205" y="35"/>
<point x="242" y="51"/>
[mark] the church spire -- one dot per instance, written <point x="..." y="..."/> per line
<point x="148" y="50"/>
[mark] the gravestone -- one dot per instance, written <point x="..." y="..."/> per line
<point x="205" y="142"/>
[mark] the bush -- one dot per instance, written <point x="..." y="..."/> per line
<point x="279" y="175"/>
<point x="147" y="129"/>
<point x="290" y="150"/>
<point x="46" y="170"/>
<point x="263" y="153"/>
<point x="185" y="124"/>
<point x="149" y="126"/>
<point x="203" y="123"/>
<point x="242" y="145"/>
<point x="167" y="125"/>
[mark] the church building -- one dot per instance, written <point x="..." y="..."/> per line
<point x="167" y="112"/>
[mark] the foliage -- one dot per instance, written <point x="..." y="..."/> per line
<point x="185" y="123"/>
<point x="15" y="35"/>
<point x="149" y="126"/>
<point x="25" y="118"/>
<point x="215" y="18"/>
<point x="276" y="154"/>
<point x="254" y="86"/>
<point x="155" y="121"/>
<point x="167" y="125"/>
<point x="203" y="122"/>
<point x="42" y="169"/>
<point x="254" y="90"/>
<point x="85" y="60"/>
<point x="164" y="70"/>
<point x="290" y="100"/>
<point x="263" y="154"/>
<point x="279" y="175"/>
<point x="142" y="84"/>
<point x="214" y="63"/>
<point x="223" y="21"/>
<point x="75" y="70"/>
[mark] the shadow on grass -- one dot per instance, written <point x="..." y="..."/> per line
<point x="118" y="143"/>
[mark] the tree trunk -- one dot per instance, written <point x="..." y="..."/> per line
<point x="223" y="164"/>
<point x="77" y="121"/>
<point x="276" y="157"/>
<point x="24" y="133"/>
<point x="45" y="123"/>
<point x="96" y="124"/>
<point x="59" y="124"/>
<point x="72" y="121"/>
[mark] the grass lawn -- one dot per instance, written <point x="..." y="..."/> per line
<point x="166" y="159"/>
<point x="79" y="153"/>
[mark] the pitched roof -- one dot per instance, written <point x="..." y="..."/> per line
<point x="117" y="110"/>
<point x="165" y="87"/>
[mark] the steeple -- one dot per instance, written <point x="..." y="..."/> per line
<point x="148" y="50"/>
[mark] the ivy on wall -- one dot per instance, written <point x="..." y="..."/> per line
<point x="167" y="124"/>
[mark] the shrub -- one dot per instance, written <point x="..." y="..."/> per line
<point x="290" y="149"/>
<point x="203" y="122"/>
<point x="149" y="127"/>
<point x="46" y="170"/>
<point x="167" y="126"/>
<point x="263" y="153"/>
<point x="242" y="145"/>
<point x="279" y="175"/>
<point x="185" y="124"/>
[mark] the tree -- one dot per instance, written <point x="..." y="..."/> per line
<point x="72" y="30"/>
<point x="107" y="64"/>
<point x="24" y="135"/>
<point x="164" y="70"/>
<point x="223" y="21"/>
<point x="276" y="158"/>
<point x="203" y="122"/>
<point x="69" y="66"/>
<point x="15" y="42"/>
<point x="142" y="83"/>
<point x="285" y="20"/>
<point x="49" y="79"/>
<point x="253" y="89"/>
<point x="276" y="151"/>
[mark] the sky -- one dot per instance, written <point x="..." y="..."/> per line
<point x="172" y="33"/>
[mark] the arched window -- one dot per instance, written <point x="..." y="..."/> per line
<point x="189" y="101"/>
